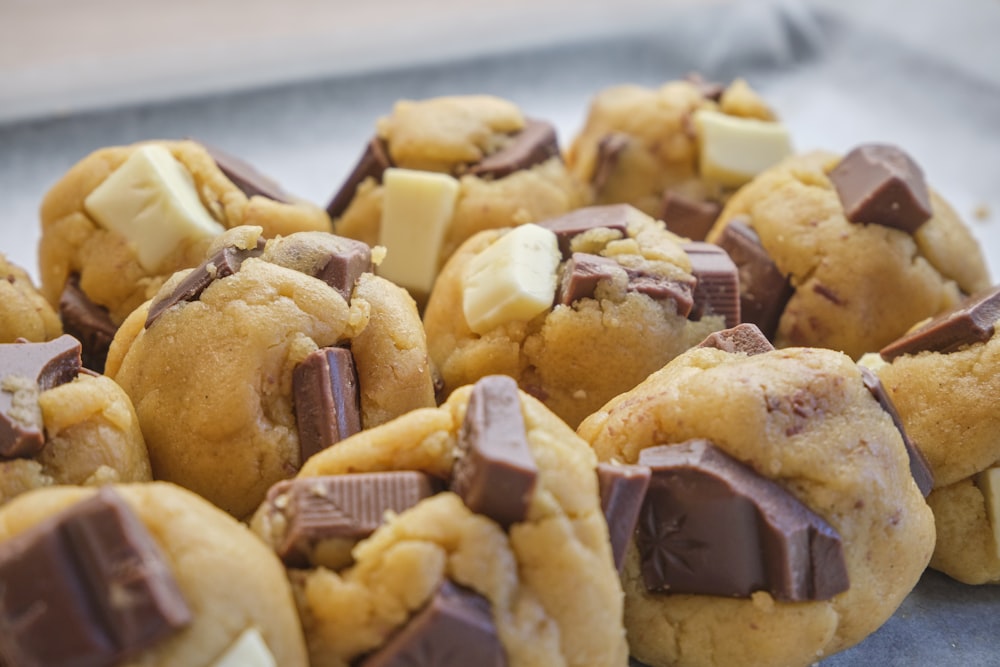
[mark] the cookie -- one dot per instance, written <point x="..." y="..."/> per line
<point x="24" y="312"/>
<point x="242" y="368"/>
<point x="825" y="530"/>
<point x="677" y="151"/>
<point x="139" y="574"/>
<point x="472" y="533"/>
<point x="578" y="308"/>
<point x="438" y="171"/>
<point x="942" y="378"/>
<point x="125" y="218"/>
<point x="821" y="266"/>
<point x="61" y="425"/>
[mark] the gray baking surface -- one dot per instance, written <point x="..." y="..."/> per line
<point x="837" y="81"/>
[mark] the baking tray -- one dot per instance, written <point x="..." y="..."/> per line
<point x="925" y="76"/>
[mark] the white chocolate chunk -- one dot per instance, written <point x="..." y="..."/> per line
<point x="733" y="150"/>
<point x="249" y="650"/>
<point x="151" y="200"/>
<point x="988" y="482"/>
<point x="416" y="211"/>
<point x="513" y="279"/>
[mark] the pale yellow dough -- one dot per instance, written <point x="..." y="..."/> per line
<point x="857" y="287"/>
<point x="92" y="438"/>
<point x="803" y="418"/>
<point x="110" y="273"/>
<point x="211" y="379"/>
<point x="230" y="581"/>
<point x="551" y="581"/>
<point x="662" y="150"/>
<point x="573" y="358"/>
<point x="24" y="312"/>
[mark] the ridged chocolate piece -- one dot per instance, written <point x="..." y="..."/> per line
<point x="495" y="474"/>
<point x="246" y="177"/>
<point x="717" y="291"/>
<point x="87" y="322"/>
<point x="745" y="338"/>
<point x="973" y="321"/>
<point x="919" y="468"/>
<point x="221" y="265"/>
<point x="609" y="151"/>
<point x="764" y="290"/>
<point x="87" y="587"/>
<point x="40" y="366"/>
<point x="327" y="399"/>
<point x="373" y="162"/>
<point x="454" y="629"/>
<point x="534" y="144"/>
<point x="623" y="489"/>
<point x="712" y="526"/>
<point x="583" y="271"/>
<point x="346" y="507"/>
<point x="688" y="217"/>
<point x="565" y="227"/>
<point x="880" y="184"/>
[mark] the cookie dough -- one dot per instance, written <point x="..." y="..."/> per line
<point x="677" y="151"/>
<point x="803" y="420"/>
<point x="61" y="425"/>
<point x="459" y="165"/>
<point x="211" y="363"/>
<point x="616" y="300"/>
<point x="810" y="276"/>
<point x="533" y="549"/>
<point x="24" y="312"/>
<point x="945" y="391"/>
<point x="125" y="218"/>
<point x="201" y="589"/>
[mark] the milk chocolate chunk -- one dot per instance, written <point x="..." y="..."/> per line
<point x="25" y="370"/>
<point x="88" y="322"/>
<point x="495" y="473"/>
<point x="623" y="489"/>
<point x="582" y="273"/>
<point x="327" y="399"/>
<point x="919" y="467"/>
<point x="454" y="629"/>
<point x="343" y="268"/>
<point x="222" y="264"/>
<point x="534" y="144"/>
<point x="710" y="525"/>
<point x="88" y="586"/>
<point x="565" y="227"/>
<point x="973" y="321"/>
<point x="688" y="217"/>
<point x="764" y="290"/>
<point x="881" y="184"/>
<point x="745" y="338"/>
<point x="246" y="177"/>
<point x="340" y="507"/>
<point x="717" y="291"/>
<point x="373" y="161"/>
<point x="609" y="152"/>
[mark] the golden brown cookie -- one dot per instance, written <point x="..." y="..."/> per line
<point x="59" y="425"/>
<point x="577" y="315"/>
<point x="140" y="574"/>
<point x="817" y="272"/>
<point x="442" y="169"/>
<point x="942" y="378"/>
<point x="125" y="218"/>
<point x="212" y="363"/>
<point x="24" y="312"/>
<point x="508" y="519"/>
<point x="647" y="147"/>
<point x="801" y="422"/>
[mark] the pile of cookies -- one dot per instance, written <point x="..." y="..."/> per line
<point x="674" y="392"/>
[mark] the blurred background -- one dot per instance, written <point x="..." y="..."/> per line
<point x="295" y="87"/>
